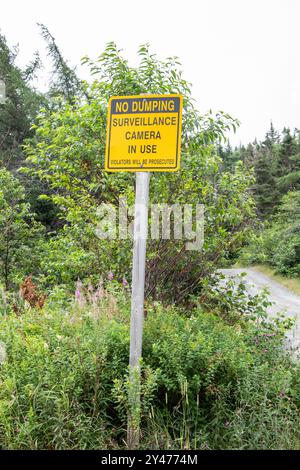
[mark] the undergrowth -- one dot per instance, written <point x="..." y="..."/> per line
<point x="207" y="383"/>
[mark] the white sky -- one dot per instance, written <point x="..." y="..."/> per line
<point x="242" y="56"/>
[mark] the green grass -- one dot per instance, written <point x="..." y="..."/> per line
<point x="293" y="284"/>
<point x="207" y="383"/>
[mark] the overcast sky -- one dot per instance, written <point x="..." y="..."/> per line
<point x="241" y="56"/>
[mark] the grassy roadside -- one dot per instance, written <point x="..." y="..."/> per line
<point x="206" y="383"/>
<point x="293" y="284"/>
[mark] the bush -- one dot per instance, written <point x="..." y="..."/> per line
<point x="67" y="154"/>
<point x="205" y="383"/>
<point x="19" y="232"/>
<point x="279" y="244"/>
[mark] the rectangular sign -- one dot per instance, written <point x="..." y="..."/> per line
<point x="143" y="133"/>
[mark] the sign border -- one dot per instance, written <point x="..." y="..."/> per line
<point x="148" y="168"/>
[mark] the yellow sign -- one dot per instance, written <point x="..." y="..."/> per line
<point x="144" y="133"/>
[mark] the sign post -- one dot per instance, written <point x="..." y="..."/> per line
<point x="137" y="304"/>
<point x="143" y="136"/>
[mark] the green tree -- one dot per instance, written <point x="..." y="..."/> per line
<point x="289" y="163"/>
<point x="279" y="243"/>
<point x="287" y="150"/>
<point x="263" y="158"/>
<point x="68" y="154"/>
<point x="19" y="232"/>
<point x="17" y="116"/>
<point x="272" y="137"/>
<point x="265" y="191"/>
<point x="64" y="81"/>
<point x="20" y="108"/>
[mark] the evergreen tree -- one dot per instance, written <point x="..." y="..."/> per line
<point x="17" y="115"/>
<point x="289" y="163"/>
<point x="248" y="155"/>
<point x="19" y="231"/>
<point x="288" y="149"/>
<point x="65" y="81"/>
<point x="272" y="137"/>
<point x="20" y="108"/>
<point x="265" y="191"/>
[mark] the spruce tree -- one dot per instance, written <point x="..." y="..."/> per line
<point x="64" y="81"/>
<point x="288" y="148"/>
<point x="265" y="191"/>
<point x="18" y="111"/>
<point x="265" y="165"/>
<point x="289" y="163"/>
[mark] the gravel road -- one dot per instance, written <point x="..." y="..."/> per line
<point x="284" y="300"/>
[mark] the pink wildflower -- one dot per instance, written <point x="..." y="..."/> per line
<point x="79" y="296"/>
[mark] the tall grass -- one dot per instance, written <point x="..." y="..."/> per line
<point x="206" y="384"/>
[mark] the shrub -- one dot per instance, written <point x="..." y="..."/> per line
<point x="279" y="244"/>
<point x="205" y="383"/>
<point x="67" y="154"/>
<point x="19" y="232"/>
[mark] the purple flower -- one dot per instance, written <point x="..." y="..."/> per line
<point x="79" y="296"/>
<point x="99" y="293"/>
<point x="110" y="276"/>
<point x="124" y="282"/>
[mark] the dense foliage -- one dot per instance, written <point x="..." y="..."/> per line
<point x="20" y="108"/>
<point x="75" y="174"/>
<point x="19" y="232"/>
<point x="206" y="383"/>
<point x="276" y="165"/>
<point x="215" y="374"/>
<point x="279" y="243"/>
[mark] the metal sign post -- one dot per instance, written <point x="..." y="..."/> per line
<point x="143" y="136"/>
<point x="137" y="304"/>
